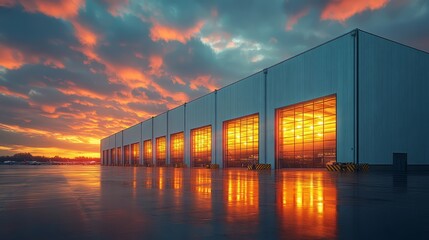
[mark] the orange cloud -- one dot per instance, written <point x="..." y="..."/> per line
<point x="155" y="63"/>
<point x="84" y="34"/>
<point x="205" y="81"/>
<point x="341" y="10"/>
<point x="13" y="59"/>
<point x="10" y="58"/>
<point x="58" y="9"/>
<point x="162" y="32"/>
<point x="219" y="41"/>
<point x="116" y="7"/>
<point x="294" y="19"/>
<point x="178" y="80"/>
<point x="5" y="91"/>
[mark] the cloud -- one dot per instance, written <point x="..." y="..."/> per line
<point x="11" y="58"/>
<point x="167" y="33"/>
<point x="52" y="8"/>
<point x="341" y="10"/>
<point x="294" y="18"/>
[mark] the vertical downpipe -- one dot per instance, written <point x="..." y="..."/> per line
<point x="167" y="145"/>
<point x="101" y="153"/>
<point x="141" y="144"/>
<point x="184" y="135"/>
<point x="215" y="129"/>
<point x="153" y="145"/>
<point x="122" y="148"/>
<point x="265" y="114"/>
<point x="355" y="34"/>
<point x="357" y="97"/>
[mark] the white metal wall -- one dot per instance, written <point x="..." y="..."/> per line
<point x="146" y="134"/>
<point x="327" y="69"/>
<point x="147" y="129"/>
<point x="240" y="99"/>
<point x="160" y="129"/>
<point x="199" y="113"/>
<point x="393" y="100"/>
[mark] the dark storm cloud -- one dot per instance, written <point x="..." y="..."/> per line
<point x="36" y="34"/>
<point x="191" y="59"/>
<point x="120" y="37"/>
<point x="22" y="80"/>
<point x="180" y="14"/>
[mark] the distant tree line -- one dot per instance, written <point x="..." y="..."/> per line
<point x="27" y="157"/>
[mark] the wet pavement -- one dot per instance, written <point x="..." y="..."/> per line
<point x="93" y="202"/>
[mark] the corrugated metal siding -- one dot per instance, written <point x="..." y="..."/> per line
<point x="322" y="71"/>
<point x="199" y="113"/>
<point x="176" y="120"/>
<point x="104" y="143"/>
<point x="237" y="100"/>
<point x="147" y="129"/>
<point x="393" y="99"/>
<point x="111" y="142"/>
<point x="118" y="137"/>
<point x="132" y="134"/>
<point x="160" y="125"/>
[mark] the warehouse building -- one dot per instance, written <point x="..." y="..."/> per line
<point x="357" y="98"/>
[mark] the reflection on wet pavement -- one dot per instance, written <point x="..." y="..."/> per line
<point x="93" y="202"/>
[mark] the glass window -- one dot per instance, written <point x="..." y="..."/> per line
<point x="161" y="151"/>
<point x="307" y="133"/>
<point x="201" y="146"/>
<point x="177" y="148"/>
<point x="127" y="155"/>
<point x="135" y="154"/>
<point x="147" y="153"/>
<point x="119" y="156"/>
<point x="112" y="156"/>
<point x="241" y="141"/>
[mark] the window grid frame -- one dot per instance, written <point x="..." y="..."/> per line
<point x="147" y="153"/>
<point x="241" y="141"/>
<point x="177" y="148"/>
<point x="161" y="151"/>
<point x="201" y="146"/>
<point x="307" y="148"/>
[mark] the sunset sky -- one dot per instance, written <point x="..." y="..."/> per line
<point x="75" y="71"/>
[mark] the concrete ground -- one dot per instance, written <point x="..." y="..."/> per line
<point x="93" y="202"/>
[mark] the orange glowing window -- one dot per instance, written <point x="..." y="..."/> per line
<point x="135" y="154"/>
<point x="201" y="146"/>
<point x="127" y="155"/>
<point x="241" y="141"/>
<point x="118" y="155"/>
<point x="112" y="156"/>
<point x="161" y="151"/>
<point x="177" y="148"/>
<point x="306" y="133"/>
<point x="147" y="152"/>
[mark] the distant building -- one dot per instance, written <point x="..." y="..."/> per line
<point x="357" y="98"/>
